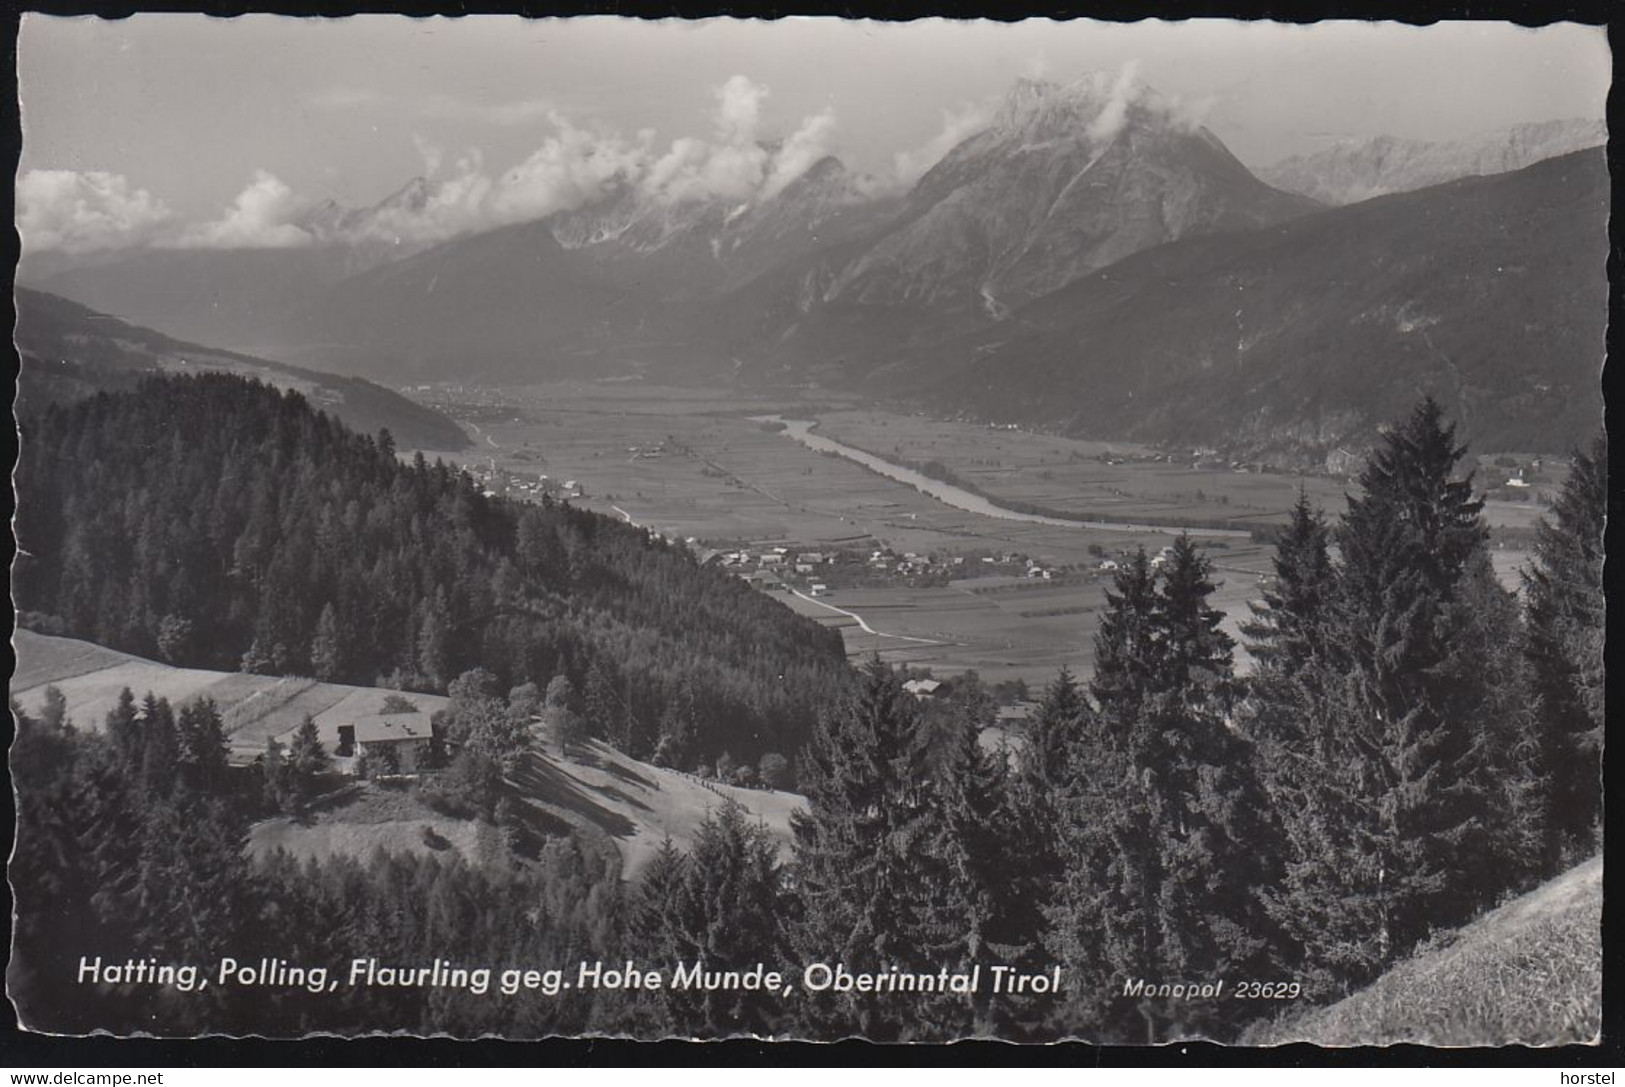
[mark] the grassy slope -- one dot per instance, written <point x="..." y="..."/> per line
<point x="612" y="803"/>
<point x="1528" y="973"/>
<point x="252" y="707"/>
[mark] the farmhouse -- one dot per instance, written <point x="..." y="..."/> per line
<point x="393" y="742"/>
<point x="926" y="688"/>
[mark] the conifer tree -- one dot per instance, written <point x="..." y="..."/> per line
<point x="327" y="647"/>
<point x="160" y="746"/>
<point x="1564" y="602"/>
<point x="728" y="916"/>
<point x="859" y="846"/>
<point x="307" y="753"/>
<point x="123" y="729"/>
<point x="203" y="752"/>
<point x="1160" y="829"/>
<point x="1288" y="625"/>
<point x="1405" y="721"/>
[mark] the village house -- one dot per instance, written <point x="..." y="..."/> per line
<point x="394" y="743"/>
<point x="926" y="688"/>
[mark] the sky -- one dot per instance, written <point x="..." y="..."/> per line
<point x="189" y="130"/>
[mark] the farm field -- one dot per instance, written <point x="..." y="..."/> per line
<point x="253" y="708"/>
<point x="1072" y="475"/>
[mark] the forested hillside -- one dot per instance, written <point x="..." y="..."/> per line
<point x="213" y="522"/>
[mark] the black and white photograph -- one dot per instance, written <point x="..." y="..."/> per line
<point x="810" y="529"/>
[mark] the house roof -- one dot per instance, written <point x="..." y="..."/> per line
<point x="383" y="727"/>
<point x="922" y="686"/>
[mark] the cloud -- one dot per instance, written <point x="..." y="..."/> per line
<point x="573" y="167"/>
<point x="446" y="208"/>
<point x="739" y="110"/>
<point x="804" y="148"/>
<point x="737" y="164"/>
<point x="438" y="106"/>
<point x="501" y="114"/>
<point x="263" y="216"/>
<point x="81" y="212"/>
<point x="1109" y="121"/>
<point x="1189" y="114"/>
<point x="429" y="153"/>
<point x="957" y="125"/>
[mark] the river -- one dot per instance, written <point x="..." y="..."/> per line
<point x="801" y="430"/>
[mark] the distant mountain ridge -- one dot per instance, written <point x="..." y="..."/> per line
<point x="69" y="351"/>
<point x="1066" y="179"/>
<point x="1351" y="171"/>
<point x="1285" y="343"/>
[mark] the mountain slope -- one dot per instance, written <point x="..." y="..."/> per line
<point x="620" y="285"/>
<point x="1351" y="171"/>
<point x="1490" y="293"/>
<point x="1065" y="180"/>
<point x="238" y="298"/>
<point x="70" y="351"/>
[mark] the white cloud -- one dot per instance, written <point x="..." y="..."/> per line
<point x="439" y="106"/>
<point x="429" y="153"/>
<point x="739" y="109"/>
<point x="80" y="212"/>
<point x="261" y="217"/>
<point x="736" y="165"/>
<point x="957" y="125"/>
<point x="571" y="168"/>
<point x="451" y="206"/>
<point x="805" y="146"/>
<point x="1109" y="121"/>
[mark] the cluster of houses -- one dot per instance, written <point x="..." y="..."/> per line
<point x="775" y="568"/>
<point x="496" y="482"/>
<point x="1158" y="561"/>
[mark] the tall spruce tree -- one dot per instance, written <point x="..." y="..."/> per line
<point x="859" y="848"/>
<point x="1288" y="627"/>
<point x="1302" y="768"/>
<point x="729" y="915"/>
<point x="1162" y="835"/>
<point x="1405" y="721"/>
<point x="1564" y="606"/>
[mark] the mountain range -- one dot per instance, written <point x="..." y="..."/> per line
<point x="1063" y="222"/>
<point x="1355" y="170"/>
<point x="1282" y="344"/>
